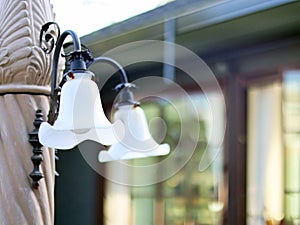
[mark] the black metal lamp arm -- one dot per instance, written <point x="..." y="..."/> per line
<point x="114" y="63"/>
<point x="126" y="96"/>
<point x="57" y="51"/>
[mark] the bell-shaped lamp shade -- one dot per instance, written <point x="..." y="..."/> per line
<point x="81" y="117"/>
<point x="137" y="142"/>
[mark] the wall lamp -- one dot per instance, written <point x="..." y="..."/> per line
<point x="76" y="112"/>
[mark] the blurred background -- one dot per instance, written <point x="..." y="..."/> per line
<point x="253" y="50"/>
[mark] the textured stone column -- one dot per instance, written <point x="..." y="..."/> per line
<point x="24" y="88"/>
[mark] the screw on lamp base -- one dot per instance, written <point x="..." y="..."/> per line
<point x="37" y="157"/>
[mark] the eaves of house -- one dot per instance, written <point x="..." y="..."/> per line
<point x="204" y="26"/>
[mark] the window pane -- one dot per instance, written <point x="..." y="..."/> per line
<point x="264" y="155"/>
<point x="291" y="131"/>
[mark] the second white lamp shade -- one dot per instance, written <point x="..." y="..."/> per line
<point x="137" y="142"/>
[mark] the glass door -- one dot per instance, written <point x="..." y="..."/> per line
<point x="273" y="151"/>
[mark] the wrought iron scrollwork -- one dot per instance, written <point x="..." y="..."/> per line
<point x="48" y="37"/>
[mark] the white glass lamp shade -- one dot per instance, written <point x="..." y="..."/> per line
<point x="137" y="142"/>
<point x="81" y="117"/>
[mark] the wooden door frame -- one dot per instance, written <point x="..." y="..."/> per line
<point x="236" y="140"/>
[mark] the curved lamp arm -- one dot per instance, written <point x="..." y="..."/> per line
<point x="59" y="44"/>
<point x="114" y="63"/>
<point x="126" y="95"/>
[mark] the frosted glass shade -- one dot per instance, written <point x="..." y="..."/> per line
<point x="137" y="142"/>
<point x="81" y="117"/>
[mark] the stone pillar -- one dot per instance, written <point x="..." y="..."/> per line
<point x="24" y="87"/>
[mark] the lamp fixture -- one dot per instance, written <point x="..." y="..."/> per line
<point x="137" y="141"/>
<point x="76" y="112"/>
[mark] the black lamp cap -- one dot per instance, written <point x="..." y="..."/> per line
<point x="79" y="59"/>
<point x="125" y="96"/>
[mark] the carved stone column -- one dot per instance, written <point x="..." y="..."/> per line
<point x="24" y="88"/>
